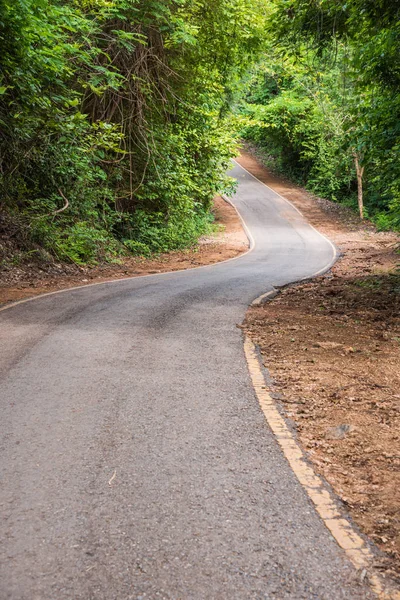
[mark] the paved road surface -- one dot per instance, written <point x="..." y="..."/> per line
<point x="135" y="461"/>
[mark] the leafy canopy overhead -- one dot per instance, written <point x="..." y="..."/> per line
<point x="122" y="108"/>
<point x="116" y="121"/>
<point x="328" y="91"/>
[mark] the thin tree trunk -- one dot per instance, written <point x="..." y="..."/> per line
<point x="360" y="173"/>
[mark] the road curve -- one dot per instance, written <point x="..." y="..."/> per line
<point x="135" y="460"/>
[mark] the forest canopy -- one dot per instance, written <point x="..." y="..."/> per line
<point x="114" y="114"/>
<point x="325" y="100"/>
<point x="118" y="118"/>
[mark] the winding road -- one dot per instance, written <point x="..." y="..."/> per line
<point x="135" y="460"/>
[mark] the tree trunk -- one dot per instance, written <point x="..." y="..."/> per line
<point x="360" y="173"/>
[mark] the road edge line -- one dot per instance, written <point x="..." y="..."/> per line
<point x="250" y="238"/>
<point x="252" y="243"/>
<point x="264" y="298"/>
<point x="335" y="250"/>
<point x="355" y="548"/>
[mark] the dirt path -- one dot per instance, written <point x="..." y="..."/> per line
<point x="32" y="278"/>
<point x="332" y="348"/>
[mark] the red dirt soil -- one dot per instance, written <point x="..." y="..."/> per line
<point x="332" y="348"/>
<point x="34" y="278"/>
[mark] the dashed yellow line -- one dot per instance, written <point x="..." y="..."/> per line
<point x="341" y="529"/>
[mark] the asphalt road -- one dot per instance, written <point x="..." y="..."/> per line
<point x="135" y="460"/>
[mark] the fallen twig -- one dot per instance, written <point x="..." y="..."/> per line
<point x="65" y="205"/>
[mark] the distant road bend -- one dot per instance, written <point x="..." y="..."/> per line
<point x="136" y="462"/>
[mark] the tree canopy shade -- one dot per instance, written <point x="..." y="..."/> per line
<point x="116" y="121"/>
<point x="326" y="99"/>
<point x="119" y="107"/>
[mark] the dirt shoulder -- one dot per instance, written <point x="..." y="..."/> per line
<point x="332" y="348"/>
<point x="34" y="278"/>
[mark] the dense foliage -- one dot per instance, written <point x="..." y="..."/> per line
<point x="327" y="96"/>
<point x="115" y="132"/>
<point x="115" y="115"/>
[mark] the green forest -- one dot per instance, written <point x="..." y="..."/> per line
<point x="118" y="118"/>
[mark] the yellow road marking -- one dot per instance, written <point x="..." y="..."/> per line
<point x="341" y="529"/>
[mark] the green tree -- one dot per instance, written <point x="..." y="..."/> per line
<point x="115" y="122"/>
<point x="330" y="101"/>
